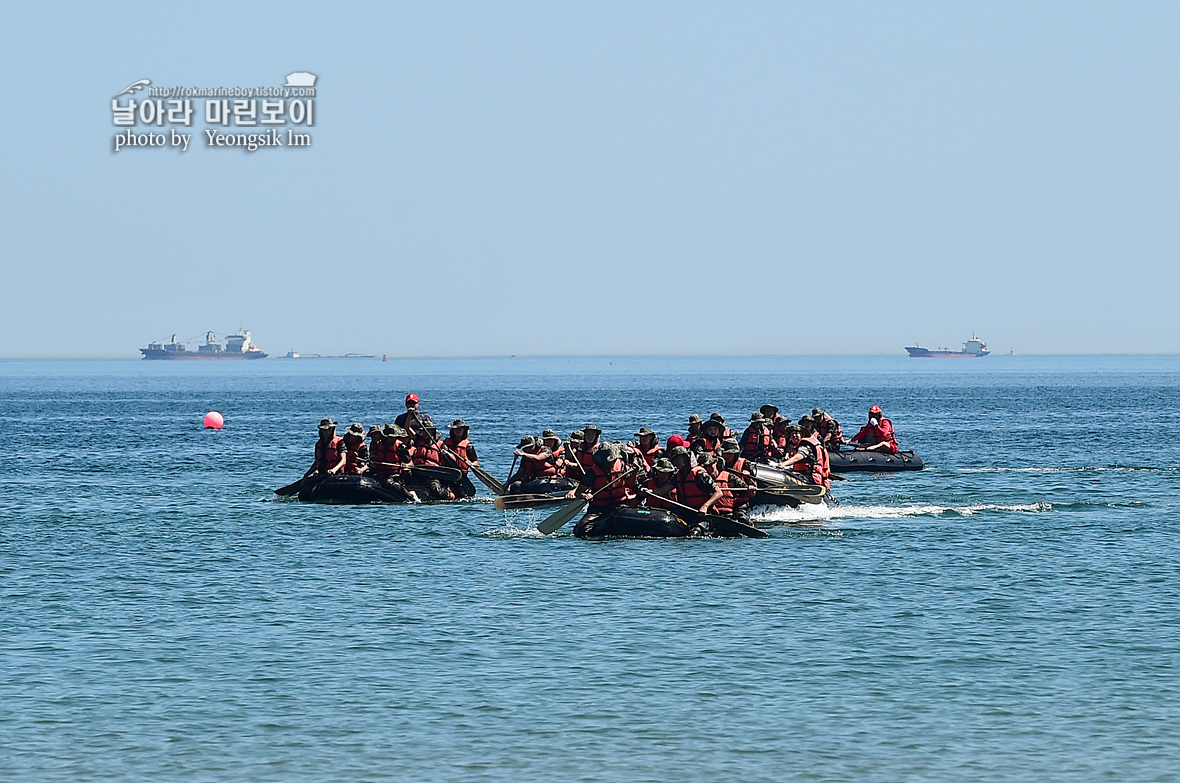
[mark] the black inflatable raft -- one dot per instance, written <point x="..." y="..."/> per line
<point x="876" y="461"/>
<point x="629" y="522"/>
<point x="349" y="490"/>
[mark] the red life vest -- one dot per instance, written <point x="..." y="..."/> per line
<point x="725" y="504"/>
<point x="382" y="450"/>
<point x="352" y="458"/>
<point x="657" y="501"/>
<point x="537" y="468"/>
<point x="600" y="478"/>
<point x="425" y="455"/>
<point x="328" y="455"/>
<point x="755" y="442"/>
<point x="460" y="450"/>
<point x="707" y="444"/>
<point x="813" y="468"/>
<point x="690" y="493"/>
<point x="585" y="457"/>
<point x="740" y="498"/>
<point x="651" y="455"/>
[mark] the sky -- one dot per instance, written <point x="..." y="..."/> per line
<point x="602" y="178"/>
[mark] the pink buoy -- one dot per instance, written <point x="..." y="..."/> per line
<point x="214" y="420"/>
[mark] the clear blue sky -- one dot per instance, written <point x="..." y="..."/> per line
<point x="499" y="178"/>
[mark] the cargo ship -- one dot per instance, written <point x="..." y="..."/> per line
<point x="973" y="348"/>
<point x="237" y="346"/>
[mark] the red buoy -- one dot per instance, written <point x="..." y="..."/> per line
<point x="214" y="420"/>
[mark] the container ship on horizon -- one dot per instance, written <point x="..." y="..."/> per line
<point x="973" y="348"/>
<point x="237" y="346"/>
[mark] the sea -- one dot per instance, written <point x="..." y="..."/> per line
<point x="1012" y="612"/>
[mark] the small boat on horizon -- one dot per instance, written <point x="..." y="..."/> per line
<point x="973" y="348"/>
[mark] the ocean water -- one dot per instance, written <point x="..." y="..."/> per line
<point x="1010" y="613"/>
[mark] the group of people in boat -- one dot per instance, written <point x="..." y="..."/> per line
<point x="394" y="451"/>
<point x="707" y="470"/>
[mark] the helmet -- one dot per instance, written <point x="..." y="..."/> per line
<point x="875" y="409"/>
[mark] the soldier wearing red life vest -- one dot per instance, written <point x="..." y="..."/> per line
<point x="755" y="441"/>
<point x="460" y="446"/>
<point x="535" y="461"/>
<point x="425" y="449"/>
<point x="649" y="446"/>
<point x="661" y="485"/>
<point x="726" y="432"/>
<point x="569" y="452"/>
<point x="694" y="430"/>
<point x="551" y="441"/>
<point x="709" y="441"/>
<point x="726" y="483"/>
<point x="770" y="413"/>
<point x="388" y="459"/>
<point x="329" y="451"/>
<point x="585" y="452"/>
<point x="737" y="466"/>
<point x="809" y="458"/>
<point x="695" y="488"/>
<point x="603" y="484"/>
<point x="877" y="435"/>
<point x="356" y="453"/>
<point x="780" y="445"/>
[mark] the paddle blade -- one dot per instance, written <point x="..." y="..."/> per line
<point x="290" y="489"/>
<point x="732" y="527"/>
<point x="488" y="480"/>
<point x="562" y="515"/>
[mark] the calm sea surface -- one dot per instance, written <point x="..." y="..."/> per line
<point x="1012" y="612"/>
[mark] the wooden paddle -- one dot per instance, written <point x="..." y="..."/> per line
<point x="506" y="502"/>
<point x="570" y="510"/>
<point x="723" y="525"/>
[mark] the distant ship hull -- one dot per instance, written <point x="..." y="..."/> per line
<point x="924" y="353"/>
<point x="158" y="353"/>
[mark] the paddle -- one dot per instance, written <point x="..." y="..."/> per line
<point x="574" y="458"/>
<point x="570" y="510"/>
<point x="506" y="502"/>
<point x="290" y="489"/>
<point x="722" y="524"/>
<point x="511" y="472"/>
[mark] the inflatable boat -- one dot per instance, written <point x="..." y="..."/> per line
<point x="860" y="460"/>
<point x="626" y="522"/>
<point x="350" y="490"/>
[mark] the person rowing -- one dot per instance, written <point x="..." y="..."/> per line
<point x="462" y="452"/>
<point x="330" y="456"/>
<point x="356" y="453"/>
<point x="603" y="484"/>
<point x="413" y="419"/>
<point x="649" y="445"/>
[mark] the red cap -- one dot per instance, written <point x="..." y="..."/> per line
<point x="875" y="409"/>
<point x="411" y="397"/>
<point x="676" y="440"/>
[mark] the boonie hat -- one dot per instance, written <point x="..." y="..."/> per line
<point x="694" y="419"/>
<point x="678" y="451"/>
<point x="356" y="428"/>
<point x="644" y="431"/>
<point x="768" y="408"/>
<point x="729" y="447"/>
<point x="458" y="424"/>
<point x="717" y="417"/>
<point x="548" y="434"/>
<point x="591" y="428"/>
<point x="327" y="424"/>
<point x="663" y="465"/>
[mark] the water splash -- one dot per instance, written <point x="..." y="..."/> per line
<point x="805" y="515"/>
